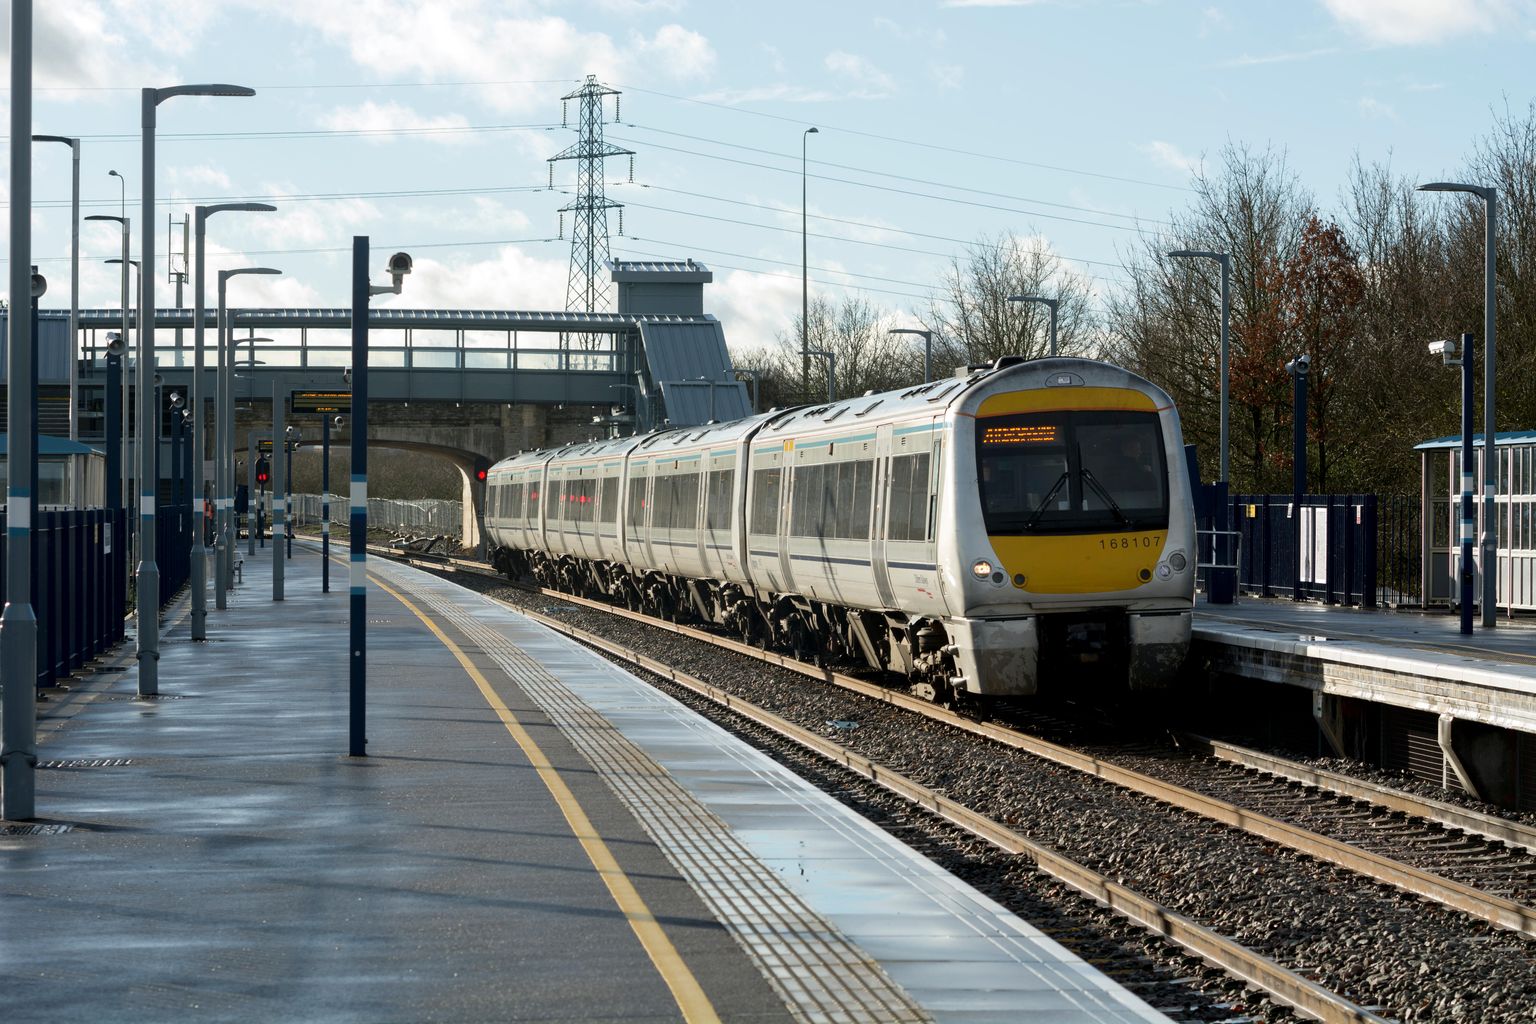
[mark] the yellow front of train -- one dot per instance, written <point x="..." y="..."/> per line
<point x="1075" y="537"/>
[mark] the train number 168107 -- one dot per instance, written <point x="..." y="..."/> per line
<point x="1115" y="543"/>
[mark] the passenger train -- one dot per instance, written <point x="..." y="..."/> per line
<point x="984" y="535"/>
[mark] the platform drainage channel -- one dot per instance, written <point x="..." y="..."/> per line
<point x="88" y="762"/>
<point x="34" y="830"/>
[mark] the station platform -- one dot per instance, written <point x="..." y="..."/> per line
<point x="1405" y="659"/>
<point x="535" y="835"/>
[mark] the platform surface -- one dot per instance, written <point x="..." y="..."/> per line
<point x="215" y="855"/>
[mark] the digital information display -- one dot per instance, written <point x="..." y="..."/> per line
<point x="323" y="401"/>
<point x="1021" y="433"/>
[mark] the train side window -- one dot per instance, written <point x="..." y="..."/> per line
<point x="661" y="503"/>
<point x="533" y="502"/>
<point x="557" y="500"/>
<point x="610" y="502"/>
<point x="933" y="484"/>
<point x="685" y="501"/>
<point x="907" y="518"/>
<point x="863" y="485"/>
<point x="805" y="517"/>
<point x="637" y="481"/>
<point x="766" y="485"/>
<point x="717" y="512"/>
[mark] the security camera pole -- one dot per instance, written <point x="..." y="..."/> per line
<point x="362" y="291"/>
<point x="18" y="623"/>
<point x="1446" y="350"/>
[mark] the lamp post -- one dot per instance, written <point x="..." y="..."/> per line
<point x="18" y="623"/>
<point x="1489" y="540"/>
<point x="199" y="412"/>
<point x="227" y="415"/>
<point x="149" y="572"/>
<point x="74" y="281"/>
<point x="223" y="433"/>
<point x="1051" y="304"/>
<point x="805" y="276"/>
<point x="1448" y="354"/>
<point x="1298" y="369"/>
<point x="123" y="431"/>
<point x="831" y="358"/>
<point x="112" y="491"/>
<point x="927" y="337"/>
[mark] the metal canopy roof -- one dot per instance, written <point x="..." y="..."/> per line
<point x="672" y="271"/>
<point x="1502" y="438"/>
<point x="430" y="319"/>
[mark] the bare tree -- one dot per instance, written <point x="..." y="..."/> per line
<point x="975" y="323"/>
<point x="857" y="333"/>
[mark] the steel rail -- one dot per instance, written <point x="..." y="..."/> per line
<point x="1465" y="819"/>
<point x="1495" y="910"/>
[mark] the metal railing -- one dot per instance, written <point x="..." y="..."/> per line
<point x="428" y="515"/>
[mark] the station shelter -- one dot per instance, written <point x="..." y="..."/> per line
<point x="1440" y="493"/>
<point x="69" y="474"/>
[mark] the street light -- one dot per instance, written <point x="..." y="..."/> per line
<point x="74" y="281"/>
<point x="1446" y="350"/>
<point x="149" y="572"/>
<point x="201" y="214"/>
<point x="1049" y="303"/>
<point x="927" y="337"/>
<point x="125" y="261"/>
<point x="223" y="442"/>
<point x="1490" y="544"/>
<point x="1226" y="311"/>
<point x="805" y="278"/>
<point x="831" y="358"/>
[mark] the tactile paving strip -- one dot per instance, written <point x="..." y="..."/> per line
<point x="822" y="976"/>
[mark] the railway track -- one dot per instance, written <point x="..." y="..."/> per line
<point x="1413" y="856"/>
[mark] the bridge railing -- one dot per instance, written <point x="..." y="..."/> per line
<point x="427" y="515"/>
<point x="294" y="347"/>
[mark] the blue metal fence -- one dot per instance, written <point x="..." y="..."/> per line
<point x="80" y="578"/>
<point x="1331" y="542"/>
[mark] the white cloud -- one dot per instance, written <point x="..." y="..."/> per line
<point x="947" y="76"/>
<point x="994" y="3"/>
<point x="775" y="58"/>
<point x="81" y="45"/>
<point x="867" y="80"/>
<point x="1290" y="57"/>
<point x="512" y="278"/>
<point x="383" y="118"/>
<point x="1406" y="22"/>
<point x="781" y="93"/>
<point x="635" y="8"/>
<point x="1169" y="155"/>
<point x="753" y="308"/>
<point x="510" y="42"/>
<point x="1212" y="20"/>
<point x="1373" y="108"/>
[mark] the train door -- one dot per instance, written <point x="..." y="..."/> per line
<point x="877" y="554"/>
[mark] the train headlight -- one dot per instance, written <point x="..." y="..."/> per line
<point x="1178" y="561"/>
<point x="981" y="569"/>
<point x="1164" y="571"/>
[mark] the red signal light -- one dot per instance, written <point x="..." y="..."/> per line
<point x="480" y="475"/>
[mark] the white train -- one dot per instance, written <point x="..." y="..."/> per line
<point x="983" y="535"/>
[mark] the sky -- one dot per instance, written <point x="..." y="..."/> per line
<point x="427" y="126"/>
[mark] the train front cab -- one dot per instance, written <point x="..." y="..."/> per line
<point x="1085" y="566"/>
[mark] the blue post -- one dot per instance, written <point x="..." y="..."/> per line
<point x="1298" y="467"/>
<point x="358" y="499"/>
<point x="116" y="543"/>
<point x="1468" y="522"/>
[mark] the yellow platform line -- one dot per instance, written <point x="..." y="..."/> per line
<point x="691" y="1000"/>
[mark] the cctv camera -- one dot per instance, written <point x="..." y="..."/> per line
<point x="1299" y="366"/>
<point x="176" y="400"/>
<point x="115" y="344"/>
<point x="339" y="422"/>
<point x="1442" y="348"/>
<point x="1304" y="362"/>
<point x="346" y="375"/>
<point x="400" y="264"/>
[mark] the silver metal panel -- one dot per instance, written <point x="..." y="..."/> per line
<point x="435" y="319"/>
<point x="690" y="364"/>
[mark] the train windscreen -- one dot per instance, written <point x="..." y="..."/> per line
<point x="1079" y="471"/>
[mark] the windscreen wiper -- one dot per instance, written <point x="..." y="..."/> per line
<point x="1045" y="504"/>
<point x="1093" y="481"/>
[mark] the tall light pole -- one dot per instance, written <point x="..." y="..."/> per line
<point x="1225" y="259"/>
<point x="831" y="358"/>
<point x="1448" y="354"/>
<point x="123" y="428"/>
<point x="74" y="281"/>
<point x="223" y="444"/>
<point x="18" y="623"/>
<point x="199" y="566"/>
<point x="927" y="337"/>
<point x="149" y="572"/>
<point x="1050" y="304"/>
<point x="1489" y="541"/>
<point x="805" y="277"/>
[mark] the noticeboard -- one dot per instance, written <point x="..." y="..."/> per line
<point x="327" y="402"/>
